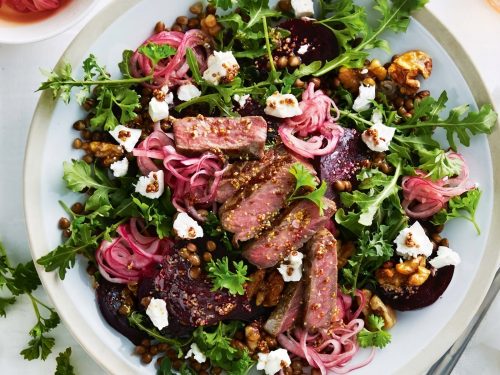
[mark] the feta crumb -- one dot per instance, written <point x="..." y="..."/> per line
<point x="303" y="49"/>
<point x="126" y="137"/>
<point x="186" y="227"/>
<point x="158" y="110"/>
<point x="119" y="167"/>
<point x="303" y="8"/>
<point x="445" y="257"/>
<point x="196" y="353"/>
<point x="241" y="99"/>
<point x="291" y="268"/>
<point x="363" y="101"/>
<point x="379" y="136"/>
<point x="169" y="97"/>
<point x="274" y="361"/>
<point x="187" y="92"/>
<point x="412" y="242"/>
<point x="152" y="185"/>
<point x="222" y="66"/>
<point x="157" y="312"/>
<point x="364" y="71"/>
<point x="282" y="105"/>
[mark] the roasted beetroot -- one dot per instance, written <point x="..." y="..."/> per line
<point x="344" y="162"/>
<point x="412" y="298"/>
<point x="109" y="300"/>
<point x="308" y="40"/>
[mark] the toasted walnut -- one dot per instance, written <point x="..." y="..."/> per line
<point x="252" y="286"/>
<point x="344" y="252"/>
<point x="419" y="277"/>
<point x="252" y="336"/>
<point x="386" y="312"/>
<point x="376" y="69"/>
<point x="406" y="67"/>
<point x="269" y="290"/>
<point x="350" y="78"/>
<point x="408" y="267"/>
<point x="105" y="150"/>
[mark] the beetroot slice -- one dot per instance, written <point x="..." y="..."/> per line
<point x="344" y="162"/>
<point x="109" y="301"/>
<point x="418" y="297"/>
<point x="318" y="41"/>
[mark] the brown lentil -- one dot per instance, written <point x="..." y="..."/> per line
<point x="213" y="31"/>
<point x="195" y="365"/>
<point x="77" y="208"/>
<point x="316" y="82"/>
<point x="171" y="354"/>
<point x="182" y="20"/>
<point x="195" y="272"/>
<point x="88" y="104"/>
<point x="384" y="168"/>
<point x="282" y="62"/>
<point x="399" y="102"/>
<point x="184" y="253"/>
<point x="210" y="9"/>
<point x="194" y="260"/>
<point x="293" y="61"/>
<point x="139" y="349"/>
<point x="124" y="310"/>
<point x="66" y="233"/>
<point x="339" y="185"/>
<point x="145" y="301"/>
<point x="196" y="8"/>
<point x="409" y="104"/>
<point x="211" y="246"/>
<point x="163" y="347"/>
<point x="444" y="242"/>
<point x="193" y="23"/>
<point x="97" y="136"/>
<point x="216" y="370"/>
<point x="86" y="134"/>
<point x="299" y="83"/>
<point x="64" y="223"/>
<point x="176" y="27"/>
<point x="315" y="371"/>
<point x="77" y="143"/>
<point x="153" y="350"/>
<point x="191" y="247"/>
<point x="159" y="27"/>
<point x="436" y="237"/>
<point x="296" y="366"/>
<point x="89" y="159"/>
<point x="348" y="186"/>
<point x="146" y="343"/>
<point x="210" y="20"/>
<point x="177" y="364"/>
<point x="285" y="5"/>
<point x="207" y="257"/>
<point x="146" y="358"/>
<point x="133" y="286"/>
<point x="79" y="125"/>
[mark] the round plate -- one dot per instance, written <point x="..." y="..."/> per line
<point x="419" y="337"/>
<point x="63" y="19"/>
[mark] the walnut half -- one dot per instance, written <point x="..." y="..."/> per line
<point x="405" y="69"/>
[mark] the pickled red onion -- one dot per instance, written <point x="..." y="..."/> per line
<point x="30" y="6"/>
<point x="315" y="121"/>
<point x="424" y="197"/>
<point x="193" y="180"/>
<point x="130" y="256"/>
<point x="330" y="351"/>
<point x="173" y="70"/>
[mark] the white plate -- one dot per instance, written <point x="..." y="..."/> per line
<point x="63" y="19"/>
<point x="419" y="338"/>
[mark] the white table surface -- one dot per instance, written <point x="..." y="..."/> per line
<point x="473" y="22"/>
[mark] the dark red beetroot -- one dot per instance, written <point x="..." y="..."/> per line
<point x="192" y="303"/>
<point x="109" y="300"/>
<point x="318" y="41"/>
<point x="344" y="162"/>
<point x="417" y="297"/>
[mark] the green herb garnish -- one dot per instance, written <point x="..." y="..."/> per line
<point x="375" y="335"/>
<point x="223" y="278"/>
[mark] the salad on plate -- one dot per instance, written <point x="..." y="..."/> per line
<point x="258" y="191"/>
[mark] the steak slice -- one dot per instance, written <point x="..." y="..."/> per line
<point x="240" y="137"/>
<point x="295" y="227"/>
<point x="321" y="280"/>
<point x="288" y="310"/>
<point x="253" y="208"/>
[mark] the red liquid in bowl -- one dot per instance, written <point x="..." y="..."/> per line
<point x="11" y="17"/>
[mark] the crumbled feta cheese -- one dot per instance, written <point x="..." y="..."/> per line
<point x="274" y="361"/>
<point x="291" y="268"/>
<point x="364" y="71"/>
<point x="186" y="227"/>
<point x="152" y="185"/>
<point x="120" y="167"/>
<point x="158" y="110"/>
<point x="303" y="8"/>
<point x="187" y="92"/>
<point x="412" y="242"/>
<point x="241" y="99"/>
<point x="169" y="97"/>
<point x="379" y="136"/>
<point x="126" y="137"/>
<point x="363" y="101"/>
<point x="303" y="49"/>
<point x="157" y="312"/>
<point x="445" y="257"/>
<point x="196" y="353"/>
<point x="222" y="67"/>
<point x="282" y="105"/>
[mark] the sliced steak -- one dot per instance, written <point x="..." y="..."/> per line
<point x="288" y="310"/>
<point x="321" y="280"/>
<point x="295" y="227"/>
<point x="240" y="137"/>
<point x="253" y="208"/>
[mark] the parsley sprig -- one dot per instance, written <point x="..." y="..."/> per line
<point x="463" y="206"/>
<point x="304" y="179"/>
<point x="375" y="335"/>
<point x="223" y="278"/>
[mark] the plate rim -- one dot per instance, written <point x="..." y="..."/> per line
<point x="89" y="340"/>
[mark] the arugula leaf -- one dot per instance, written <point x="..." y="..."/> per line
<point x="217" y="347"/>
<point x="64" y="366"/>
<point x="372" y="250"/>
<point x="376" y="335"/>
<point x="213" y="228"/>
<point x="223" y="278"/>
<point x="156" y="52"/>
<point x="79" y="175"/>
<point x="158" y="212"/>
<point x="305" y="179"/>
<point x="437" y="163"/>
<point x="463" y="206"/>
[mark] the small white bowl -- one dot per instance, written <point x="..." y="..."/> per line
<point x="61" y="20"/>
